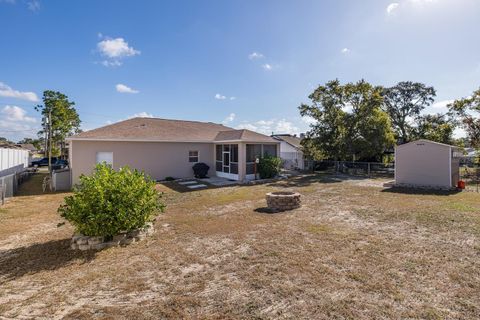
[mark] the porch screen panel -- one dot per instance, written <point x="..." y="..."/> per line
<point x="234" y="158"/>
<point x="253" y="151"/>
<point x="234" y="152"/>
<point x="270" y="150"/>
<point x="218" y="158"/>
<point x="250" y="168"/>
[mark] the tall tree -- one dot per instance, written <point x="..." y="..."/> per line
<point x="4" y="140"/>
<point x="467" y="110"/>
<point x="59" y="113"/>
<point x="350" y="123"/>
<point x="405" y="101"/>
<point x="435" y="127"/>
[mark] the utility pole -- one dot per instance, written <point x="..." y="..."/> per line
<point x="49" y="141"/>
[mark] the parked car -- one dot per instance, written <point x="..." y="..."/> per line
<point x="60" y="164"/>
<point x="43" y="162"/>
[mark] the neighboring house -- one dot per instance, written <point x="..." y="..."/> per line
<point x="426" y="163"/>
<point x="291" y="151"/>
<point x="169" y="148"/>
<point x="31" y="148"/>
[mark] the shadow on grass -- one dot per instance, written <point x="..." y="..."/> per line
<point x="307" y="180"/>
<point x="175" y="186"/>
<point x="38" y="257"/>
<point x="418" y="191"/>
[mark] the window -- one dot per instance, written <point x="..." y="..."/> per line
<point x="192" y="156"/>
<point x="106" y="157"/>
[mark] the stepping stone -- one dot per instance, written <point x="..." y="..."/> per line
<point x="187" y="182"/>
<point x="196" y="186"/>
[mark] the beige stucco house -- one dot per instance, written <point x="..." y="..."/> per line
<point x="169" y="148"/>
<point x="425" y="163"/>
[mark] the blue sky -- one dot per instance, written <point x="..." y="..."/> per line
<point x="248" y="64"/>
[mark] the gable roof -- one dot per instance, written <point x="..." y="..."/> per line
<point x="428" y="141"/>
<point x="291" y="140"/>
<point x="166" y="130"/>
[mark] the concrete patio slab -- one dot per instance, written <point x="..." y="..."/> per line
<point x="196" y="186"/>
<point x="219" y="182"/>
<point x="183" y="183"/>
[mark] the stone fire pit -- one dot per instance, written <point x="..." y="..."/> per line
<point x="283" y="201"/>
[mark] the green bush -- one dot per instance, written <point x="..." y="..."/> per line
<point x="269" y="167"/>
<point x="110" y="202"/>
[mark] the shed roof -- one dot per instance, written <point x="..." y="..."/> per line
<point x="428" y="141"/>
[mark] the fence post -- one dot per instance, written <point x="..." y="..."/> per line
<point x="368" y="166"/>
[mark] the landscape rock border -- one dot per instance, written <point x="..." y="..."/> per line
<point x="283" y="201"/>
<point x="81" y="242"/>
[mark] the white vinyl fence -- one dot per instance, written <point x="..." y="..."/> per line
<point x="292" y="160"/>
<point x="12" y="163"/>
<point x="13" y="157"/>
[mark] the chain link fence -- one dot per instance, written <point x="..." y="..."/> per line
<point x="366" y="169"/>
<point x="470" y="174"/>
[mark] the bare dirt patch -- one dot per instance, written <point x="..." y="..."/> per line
<point x="353" y="251"/>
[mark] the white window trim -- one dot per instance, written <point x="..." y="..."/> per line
<point x="198" y="156"/>
<point x="96" y="157"/>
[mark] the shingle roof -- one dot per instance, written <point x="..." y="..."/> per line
<point x="155" y="129"/>
<point x="291" y="140"/>
<point x="428" y="141"/>
<point x="242" y="135"/>
<point x="28" y="146"/>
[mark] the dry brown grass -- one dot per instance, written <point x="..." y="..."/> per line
<point x="353" y="251"/>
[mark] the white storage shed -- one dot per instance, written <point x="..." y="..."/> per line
<point x="428" y="164"/>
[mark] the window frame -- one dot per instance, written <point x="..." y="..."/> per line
<point x="190" y="157"/>
<point x="104" y="152"/>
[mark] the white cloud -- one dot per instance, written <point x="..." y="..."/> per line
<point x="269" y="126"/>
<point x="267" y="66"/>
<point x="141" y="115"/>
<point x="111" y="63"/>
<point x="115" y="50"/>
<point x="392" y="7"/>
<point x="16" y="114"/>
<point x="17" y="130"/>
<point x="229" y="119"/>
<point x="33" y="5"/>
<point x="255" y="56"/>
<point x="308" y="120"/>
<point x="125" y="89"/>
<point x="345" y="51"/>
<point x="442" y="104"/>
<point x="218" y="96"/>
<point x="233" y="98"/>
<point x="6" y="91"/>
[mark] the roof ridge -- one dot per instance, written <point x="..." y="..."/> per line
<point x="180" y="120"/>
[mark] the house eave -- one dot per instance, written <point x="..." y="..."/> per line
<point x="137" y="140"/>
